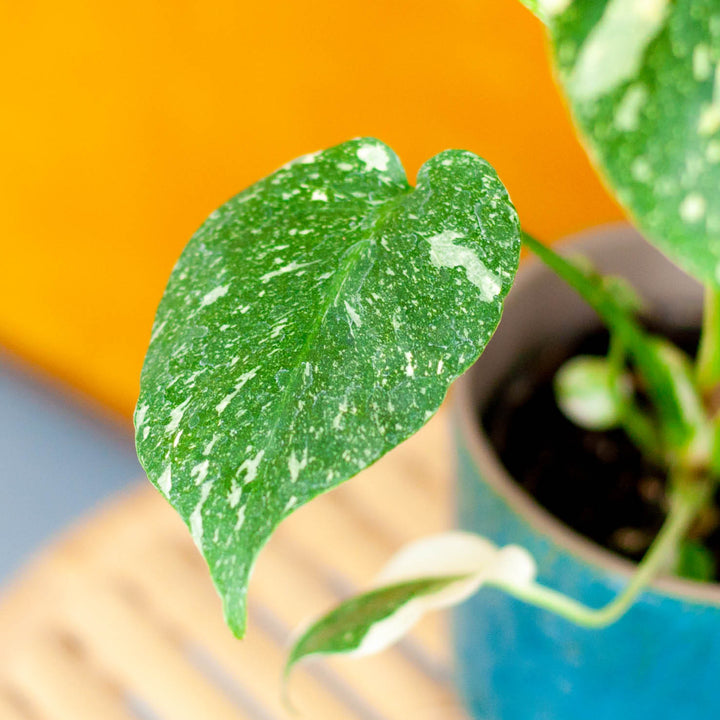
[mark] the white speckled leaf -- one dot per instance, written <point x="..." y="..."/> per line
<point x="536" y="6"/>
<point x="643" y="81"/>
<point x="430" y="574"/>
<point x="313" y="323"/>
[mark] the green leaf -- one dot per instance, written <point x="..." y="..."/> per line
<point x="534" y="7"/>
<point x="643" y="82"/>
<point x="343" y="629"/>
<point x="708" y="354"/>
<point x="624" y="293"/>
<point x="666" y="370"/>
<point x="591" y="393"/>
<point x="432" y="573"/>
<point x="715" y="459"/>
<point x="313" y="323"/>
<point x="695" y="562"/>
<point x="546" y="10"/>
<point x="671" y="380"/>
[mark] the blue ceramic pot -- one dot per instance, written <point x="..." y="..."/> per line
<point x="514" y="662"/>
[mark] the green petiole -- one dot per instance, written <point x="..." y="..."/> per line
<point x="708" y="358"/>
<point x="690" y="497"/>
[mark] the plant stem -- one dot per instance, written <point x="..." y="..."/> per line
<point x="639" y="427"/>
<point x="687" y="502"/>
<point x="643" y="433"/>
<point x="708" y="359"/>
<point x="616" y="355"/>
<point x="669" y="378"/>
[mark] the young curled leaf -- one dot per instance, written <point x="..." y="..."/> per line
<point x="591" y="393"/>
<point x="665" y="370"/>
<point x="314" y="322"/>
<point x="432" y="573"/>
<point x="695" y="562"/>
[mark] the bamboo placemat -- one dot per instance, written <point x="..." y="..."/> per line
<point x="119" y="621"/>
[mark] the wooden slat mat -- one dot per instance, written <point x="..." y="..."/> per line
<point x="119" y="621"/>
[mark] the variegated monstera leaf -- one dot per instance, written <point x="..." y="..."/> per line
<point x="643" y="81"/>
<point x="313" y="323"/>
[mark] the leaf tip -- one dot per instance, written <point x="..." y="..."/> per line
<point x="235" y="614"/>
<point x="285" y="693"/>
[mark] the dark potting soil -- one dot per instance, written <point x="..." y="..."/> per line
<point x="597" y="483"/>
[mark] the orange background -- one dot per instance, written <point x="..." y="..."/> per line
<point x="124" y="124"/>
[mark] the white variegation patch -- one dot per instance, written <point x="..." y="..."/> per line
<point x="164" y="482"/>
<point x="445" y="253"/>
<point x="550" y="8"/>
<point x="176" y="415"/>
<point x="250" y="467"/>
<point x="196" y="516"/>
<point x="141" y="415"/>
<point x="290" y="267"/>
<point x="614" y="50"/>
<point x="627" y="115"/>
<point x="445" y="555"/>
<point x="297" y="465"/>
<point x="374" y="156"/>
<point x="214" y="294"/>
<point x="244" y="378"/>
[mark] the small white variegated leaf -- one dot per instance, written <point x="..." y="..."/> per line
<point x="430" y="574"/>
<point x="458" y="554"/>
<point x="590" y="393"/>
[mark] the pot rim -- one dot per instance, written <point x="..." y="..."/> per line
<point x="478" y="445"/>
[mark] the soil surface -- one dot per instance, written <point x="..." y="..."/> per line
<point x="597" y="483"/>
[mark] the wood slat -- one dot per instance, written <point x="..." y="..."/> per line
<point x="60" y="686"/>
<point x="313" y="589"/>
<point x="179" y="591"/>
<point x="12" y="708"/>
<point x="351" y="551"/>
<point x="133" y="593"/>
<point x="141" y="655"/>
<point x="411" y="685"/>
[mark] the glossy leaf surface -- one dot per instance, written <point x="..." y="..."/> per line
<point x="643" y="82"/>
<point x="432" y="573"/>
<point x="314" y="322"/>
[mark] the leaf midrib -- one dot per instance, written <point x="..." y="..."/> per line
<point x="350" y="256"/>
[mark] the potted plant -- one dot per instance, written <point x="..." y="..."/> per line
<point x="586" y="525"/>
<point x="317" y="319"/>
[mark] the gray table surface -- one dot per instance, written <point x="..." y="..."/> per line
<point x="59" y="458"/>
